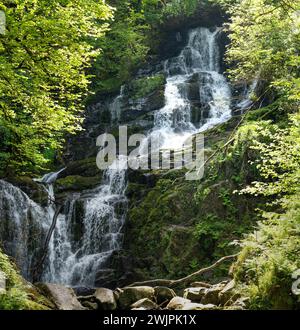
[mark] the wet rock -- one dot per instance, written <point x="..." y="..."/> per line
<point x="2" y="283"/>
<point x="129" y="295"/>
<point x="163" y="294"/>
<point x="177" y="303"/>
<point x="34" y="190"/>
<point x="195" y="307"/>
<point x="105" y="299"/>
<point x="64" y="298"/>
<point x="226" y="292"/>
<point x="144" y="304"/>
<point x="195" y="294"/>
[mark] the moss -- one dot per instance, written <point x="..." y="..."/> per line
<point x="142" y="87"/>
<point x="19" y="295"/>
<point x="76" y="183"/>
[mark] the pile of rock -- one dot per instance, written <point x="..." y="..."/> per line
<point x="197" y="297"/>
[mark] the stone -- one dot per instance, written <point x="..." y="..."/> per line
<point x="163" y="294"/>
<point x="128" y="295"/>
<point x="63" y="297"/>
<point x="195" y="294"/>
<point x="226" y="292"/>
<point x="90" y="305"/>
<point x="195" y="306"/>
<point x="212" y="294"/>
<point x="145" y="304"/>
<point x="177" y="303"/>
<point x="200" y="284"/>
<point x="105" y="299"/>
<point x="2" y="282"/>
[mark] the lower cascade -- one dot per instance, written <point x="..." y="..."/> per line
<point x="89" y="227"/>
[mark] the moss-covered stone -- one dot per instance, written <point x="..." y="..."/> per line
<point x="76" y="183"/>
<point x="19" y="293"/>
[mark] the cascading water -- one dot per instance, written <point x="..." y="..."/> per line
<point x="89" y="229"/>
<point x="23" y="226"/>
<point x="76" y="262"/>
<point x="200" y="59"/>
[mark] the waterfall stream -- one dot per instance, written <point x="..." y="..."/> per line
<point x="89" y="229"/>
<point x="200" y="60"/>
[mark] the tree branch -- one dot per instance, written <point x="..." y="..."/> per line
<point x="185" y="280"/>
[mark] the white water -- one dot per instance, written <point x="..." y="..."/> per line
<point x="23" y="225"/>
<point x="77" y="263"/>
<point x="172" y="123"/>
<point x="89" y="229"/>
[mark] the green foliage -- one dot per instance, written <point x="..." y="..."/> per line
<point x="269" y="258"/>
<point x="16" y="296"/>
<point x="44" y="54"/>
<point x="145" y="86"/>
<point x="265" y="37"/>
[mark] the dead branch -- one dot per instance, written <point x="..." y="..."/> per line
<point x="185" y="280"/>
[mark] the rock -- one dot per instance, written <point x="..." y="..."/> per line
<point x="83" y="291"/>
<point x="145" y="304"/>
<point x="163" y="294"/>
<point x="200" y="284"/>
<point x="90" y="305"/>
<point x="64" y="298"/>
<point x="227" y="292"/>
<point x="212" y="294"/>
<point x="76" y="183"/>
<point x="129" y="295"/>
<point x="194" y="294"/>
<point x="2" y="282"/>
<point x="105" y="299"/>
<point x="177" y="303"/>
<point x="195" y="307"/>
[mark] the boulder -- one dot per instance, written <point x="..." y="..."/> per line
<point x="212" y="294"/>
<point x="128" y="295"/>
<point x="194" y="294"/>
<point x="226" y="292"/>
<point x="177" y="303"/>
<point x="105" y="299"/>
<point x="163" y="294"/>
<point x="196" y="307"/>
<point x="63" y="297"/>
<point x="145" y="304"/>
<point x="2" y="283"/>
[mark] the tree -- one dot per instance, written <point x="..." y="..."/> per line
<point x="44" y="54"/>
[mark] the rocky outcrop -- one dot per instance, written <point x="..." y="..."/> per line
<point x="64" y="298"/>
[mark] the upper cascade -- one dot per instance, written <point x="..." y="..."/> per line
<point x="199" y="62"/>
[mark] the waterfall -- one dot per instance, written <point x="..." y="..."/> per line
<point x="200" y="59"/>
<point x="75" y="259"/>
<point x="89" y="228"/>
<point x="23" y="226"/>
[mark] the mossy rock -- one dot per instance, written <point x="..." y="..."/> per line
<point x="76" y="183"/>
<point x="85" y="167"/>
<point x="34" y="190"/>
<point x="19" y="293"/>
